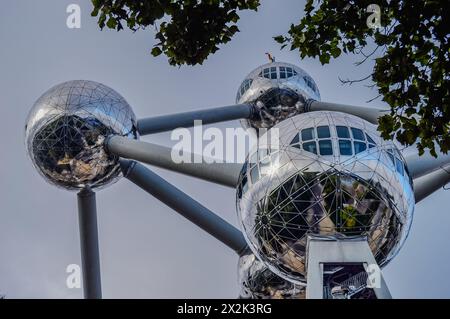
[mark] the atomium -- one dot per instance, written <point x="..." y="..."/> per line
<point x="322" y="174"/>
<point x="278" y="91"/>
<point x="66" y="130"/>
<point x="331" y="175"/>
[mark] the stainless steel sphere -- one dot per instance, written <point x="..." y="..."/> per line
<point x="66" y="130"/>
<point x="278" y="91"/>
<point x="258" y="282"/>
<point x="333" y="176"/>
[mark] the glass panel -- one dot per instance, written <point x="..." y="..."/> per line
<point x="399" y="166"/>
<point x="265" y="161"/>
<point x="360" y="147"/>
<point x="244" y="185"/>
<point x="325" y="147"/>
<point x="406" y="170"/>
<point x="370" y="139"/>
<point x="307" y="134"/>
<point x="254" y="157"/>
<point x="342" y="131"/>
<point x="345" y="147"/>
<point x="391" y="157"/>
<point x="239" y="191"/>
<point x="248" y="83"/>
<point x="323" y="131"/>
<point x="274" y="158"/>
<point x="262" y="153"/>
<point x="264" y="166"/>
<point x="357" y="134"/>
<point x="310" y="147"/>
<point x="254" y="174"/>
<point x="295" y="140"/>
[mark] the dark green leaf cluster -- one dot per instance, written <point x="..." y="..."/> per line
<point x="188" y="31"/>
<point x="412" y="68"/>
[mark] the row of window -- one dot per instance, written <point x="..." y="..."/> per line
<point x="244" y="87"/>
<point x="287" y="72"/>
<point x="323" y="131"/>
<point x="394" y="156"/>
<point x="273" y="73"/>
<point x="317" y="140"/>
<point x="262" y="161"/>
<point x="309" y="82"/>
<point x="260" y="164"/>
<point x="351" y="141"/>
<point x="284" y="71"/>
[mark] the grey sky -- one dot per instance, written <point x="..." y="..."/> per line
<point x="147" y="250"/>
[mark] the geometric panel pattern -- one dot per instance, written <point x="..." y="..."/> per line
<point x="66" y="131"/>
<point x="367" y="194"/>
<point x="277" y="91"/>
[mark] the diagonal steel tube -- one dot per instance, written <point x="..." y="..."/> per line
<point x="90" y="259"/>
<point x="184" y="205"/>
<point x="424" y="164"/>
<point x="426" y="185"/>
<point x="226" y="174"/>
<point x="208" y="116"/>
<point x="368" y="113"/>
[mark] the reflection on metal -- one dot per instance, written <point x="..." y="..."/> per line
<point x="258" y="282"/>
<point x="331" y="176"/>
<point x="66" y="130"/>
<point x="277" y="91"/>
<point x="335" y="196"/>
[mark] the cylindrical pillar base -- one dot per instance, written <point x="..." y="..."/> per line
<point x="90" y="259"/>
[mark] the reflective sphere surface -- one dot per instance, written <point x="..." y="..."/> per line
<point x="66" y="130"/>
<point x="258" y="282"/>
<point x="331" y="175"/>
<point x="278" y="91"/>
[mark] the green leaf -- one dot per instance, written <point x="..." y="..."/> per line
<point x="156" y="51"/>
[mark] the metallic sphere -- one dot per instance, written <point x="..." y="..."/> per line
<point x="278" y="91"/>
<point x="66" y="131"/>
<point x="331" y="175"/>
<point x="258" y="282"/>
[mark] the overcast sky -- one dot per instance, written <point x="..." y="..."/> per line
<point x="147" y="250"/>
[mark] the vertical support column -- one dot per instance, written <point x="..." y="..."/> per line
<point x="90" y="260"/>
<point x="323" y="251"/>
